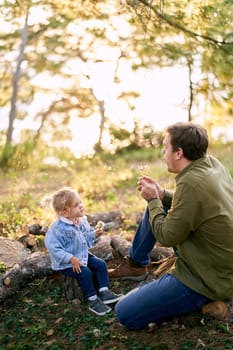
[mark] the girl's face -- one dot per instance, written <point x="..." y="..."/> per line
<point x="76" y="210"/>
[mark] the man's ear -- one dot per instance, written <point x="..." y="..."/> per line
<point x="179" y="153"/>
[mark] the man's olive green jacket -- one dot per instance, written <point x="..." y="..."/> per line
<point x="199" y="224"/>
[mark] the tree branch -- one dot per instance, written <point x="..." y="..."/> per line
<point x="176" y="25"/>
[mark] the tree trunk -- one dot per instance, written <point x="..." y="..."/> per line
<point x="190" y="90"/>
<point x="16" y="78"/>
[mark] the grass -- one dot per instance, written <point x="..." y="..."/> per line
<point x="104" y="185"/>
<point x="38" y="316"/>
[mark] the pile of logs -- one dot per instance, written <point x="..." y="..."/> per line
<point x="24" y="264"/>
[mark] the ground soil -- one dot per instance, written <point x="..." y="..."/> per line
<point x="69" y="325"/>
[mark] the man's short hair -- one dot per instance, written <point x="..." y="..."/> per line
<point x="192" y="138"/>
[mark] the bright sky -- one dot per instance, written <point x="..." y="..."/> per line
<point x="163" y="93"/>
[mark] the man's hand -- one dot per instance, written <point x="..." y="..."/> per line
<point x="149" y="188"/>
<point x="76" y="263"/>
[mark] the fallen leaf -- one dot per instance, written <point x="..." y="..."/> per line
<point x="203" y="322"/>
<point x="59" y="320"/>
<point x="26" y="300"/>
<point x="200" y="343"/>
<point x="50" y="332"/>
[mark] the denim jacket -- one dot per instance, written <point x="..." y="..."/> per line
<point x="65" y="239"/>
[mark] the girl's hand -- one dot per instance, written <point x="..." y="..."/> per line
<point x="76" y="263"/>
<point x="98" y="232"/>
<point x="99" y="228"/>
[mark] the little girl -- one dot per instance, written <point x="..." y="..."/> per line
<point x="68" y="240"/>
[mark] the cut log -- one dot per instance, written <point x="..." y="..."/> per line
<point x="36" y="265"/>
<point x="102" y="248"/>
<point x="37" y="230"/>
<point x="24" y="266"/>
<point x="12" y="252"/>
<point x="29" y="242"/>
<point x="122" y="246"/>
<point x="112" y="219"/>
<point x="161" y="253"/>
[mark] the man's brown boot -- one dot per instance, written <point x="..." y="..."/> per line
<point x="128" y="270"/>
<point x="217" y="309"/>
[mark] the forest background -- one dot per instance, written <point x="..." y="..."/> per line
<point x="77" y="72"/>
<point x="81" y="67"/>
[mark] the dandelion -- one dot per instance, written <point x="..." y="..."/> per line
<point x="143" y="169"/>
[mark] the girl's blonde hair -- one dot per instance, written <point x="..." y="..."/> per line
<point x="63" y="199"/>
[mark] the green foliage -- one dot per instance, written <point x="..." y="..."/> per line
<point x="196" y="34"/>
<point x="3" y="267"/>
<point x="17" y="157"/>
<point x="6" y="156"/>
<point x="17" y="212"/>
<point x="141" y="137"/>
<point x="187" y="345"/>
<point x="105" y="183"/>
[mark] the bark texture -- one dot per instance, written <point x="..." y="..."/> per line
<point x="12" y="252"/>
<point x="35" y="265"/>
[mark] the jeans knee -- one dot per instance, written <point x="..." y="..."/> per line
<point x="102" y="264"/>
<point x="122" y="315"/>
<point x="85" y="274"/>
<point x="98" y="264"/>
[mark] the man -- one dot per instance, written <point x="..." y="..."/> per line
<point x="198" y="223"/>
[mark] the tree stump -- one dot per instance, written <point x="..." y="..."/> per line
<point x="71" y="289"/>
<point x="70" y="286"/>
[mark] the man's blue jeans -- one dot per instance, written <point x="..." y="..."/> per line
<point x="158" y="300"/>
<point x="92" y="277"/>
